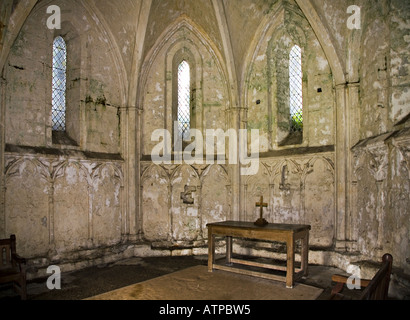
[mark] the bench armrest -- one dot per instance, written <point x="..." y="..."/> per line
<point x="343" y="280"/>
<point x="340" y="282"/>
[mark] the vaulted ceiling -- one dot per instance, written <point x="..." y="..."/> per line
<point x="135" y="26"/>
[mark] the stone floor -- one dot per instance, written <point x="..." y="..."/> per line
<point x="92" y="281"/>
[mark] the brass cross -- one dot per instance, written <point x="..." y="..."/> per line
<point x="261" y="204"/>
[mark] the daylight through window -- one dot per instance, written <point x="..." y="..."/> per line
<point x="184" y="97"/>
<point x="59" y="84"/>
<point x="295" y="89"/>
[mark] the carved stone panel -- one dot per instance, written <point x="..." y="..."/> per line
<point x="319" y="203"/>
<point x="215" y="197"/>
<point x="287" y="195"/>
<point x="255" y="187"/>
<point x="185" y="217"/>
<point x="71" y="219"/>
<point x="106" y="210"/>
<point x="298" y="190"/>
<point x="27" y="207"/>
<point x="155" y="204"/>
<point x="367" y="202"/>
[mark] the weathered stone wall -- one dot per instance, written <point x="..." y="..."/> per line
<point x="290" y="182"/>
<point x="384" y="67"/>
<point x="209" y="94"/>
<point x="166" y="216"/>
<point x="267" y="83"/>
<point x="93" y="83"/>
<point x="64" y="201"/>
<point x="297" y="189"/>
<point x="379" y="218"/>
<point x="179" y="200"/>
<point x="381" y="184"/>
<point x="348" y="176"/>
<point x="58" y="205"/>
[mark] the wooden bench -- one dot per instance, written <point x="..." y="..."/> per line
<point x="375" y="289"/>
<point x="12" y="266"/>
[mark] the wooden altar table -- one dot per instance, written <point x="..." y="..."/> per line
<point x="287" y="233"/>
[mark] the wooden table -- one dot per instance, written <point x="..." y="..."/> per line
<point x="287" y="233"/>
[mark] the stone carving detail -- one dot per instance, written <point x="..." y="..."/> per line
<point x="378" y="164"/>
<point x="155" y="200"/>
<point x="186" y="195"/>
<point x="84" y="189"/>
<point x="402" y="143"/>
<point x="283" y="183"/>
<point x="293" y="193"/>
<point x="205" y="194"/>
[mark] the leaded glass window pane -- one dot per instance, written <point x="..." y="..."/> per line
<point x="58" y="109"/>
<point x="184" y="97"/>
<point x="295" y="89"/>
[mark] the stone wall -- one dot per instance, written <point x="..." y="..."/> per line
<point x="381" y="195"/>
<point x="297" y="181"/>
<point x="62" y="204"/>
<point x="209" y="93"/>
<point x="94" y="92"/>
<point x="165" y="188"/>
<point x="100" y="196"/>
<point x="267" y="83"/>
<point x="64" y="197"/>
<point x="379" y="220"/>
<point x="291" y="188"/>
<point x="179" y="200"/>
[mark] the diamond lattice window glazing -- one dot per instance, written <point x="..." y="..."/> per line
<point x="59" y="84"/>
<point x="295" y="89"/>
<point x="184" y="97"/>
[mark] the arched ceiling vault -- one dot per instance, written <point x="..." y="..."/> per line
<point x="136" y="25"/>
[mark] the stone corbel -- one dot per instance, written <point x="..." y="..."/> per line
<point x="378" y="150"/>
<point x="379" y="161"/>
<point x="402" y="142"/>
<point x="356" y="162"/>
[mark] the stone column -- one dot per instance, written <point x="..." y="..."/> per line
<point x="136" y="172"/>
<point x="51" y="213"/>
<point x="2" y="159"/>
<point x="129" y="152"/>
<point x="354" y="137"/>
<point x="341" y="173"/>
<point x="242" y="215"/>
<point x="234" y="165"/>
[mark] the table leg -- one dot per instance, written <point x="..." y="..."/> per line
<point x="211" y="250"/>
<point x="305" y="253"/>
<point x="228" y="250"/>
<point x="290" y="261"/>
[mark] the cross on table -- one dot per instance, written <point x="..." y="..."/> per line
<point x="261" y="204"/>
<point x="261" y="221"/>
